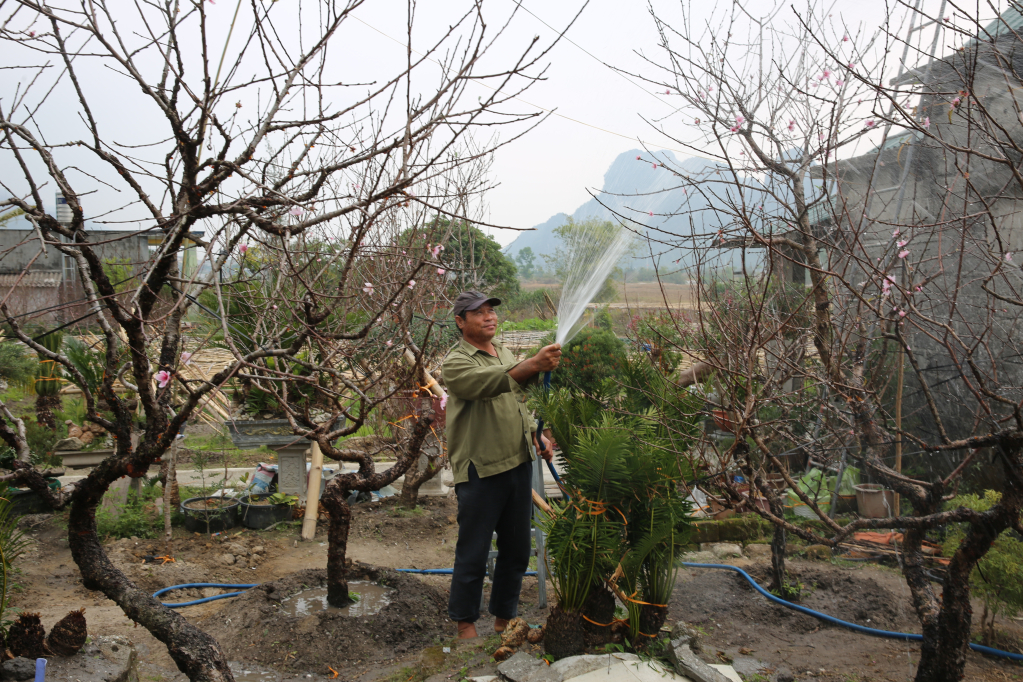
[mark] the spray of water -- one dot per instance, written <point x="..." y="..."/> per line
<point x="593" y="254"/>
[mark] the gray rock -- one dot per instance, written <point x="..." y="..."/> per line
<point x="758" y="551"/>
<point x="18" y="669"/>
<point x="747" y="666"/>
<point x="689" y="665"/>
<point x="484" y="678"/>
<point x="574" y="666"/>
<point x="241" y="562"/>
<point x="700" y="557"/>
<point x="725" y="549"/>
<point x="66" y="445"/>
<point x="258" y="549"/>
<point x="784" y="675"/>
<point x="682" y="633"/>
<point x="524" y="668"/>
<point x="237" y="549"/>
<point x="107" y="659"/>
<point x="227" y="559"/>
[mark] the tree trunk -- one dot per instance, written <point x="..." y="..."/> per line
<point x="45" y="405"/>
<point x="196" y="653"/>
<point x="779" y="579"/>
<point x="414" y="480"/>
<point x="335" y="501"/>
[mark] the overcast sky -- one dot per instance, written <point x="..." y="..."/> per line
<point x="550" y="170"/>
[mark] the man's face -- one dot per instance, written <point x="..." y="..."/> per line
<point x="479" y="324"/>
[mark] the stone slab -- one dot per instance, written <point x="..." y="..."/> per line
<point x="575" y="666"/>
<point x="104" y="659"/>
<point x="524" y="668"/>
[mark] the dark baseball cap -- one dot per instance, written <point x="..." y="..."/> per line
<point x="471" y="300"/>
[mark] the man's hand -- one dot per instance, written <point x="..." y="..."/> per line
<point x="544" y="361"/>
<point x="547" y="452"/>
<point x="548" y="358"/>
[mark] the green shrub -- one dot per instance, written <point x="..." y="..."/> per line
<point x="532" y="324"/>
<point x="589" y="360"/>
<point x="138" y="517"/>
<point x="998" y="577"/>
<point x="16" y="366"/>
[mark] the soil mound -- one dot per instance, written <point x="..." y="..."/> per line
<point x="256" y="628"/>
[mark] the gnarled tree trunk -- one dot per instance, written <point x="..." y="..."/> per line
<point x="335" y="502"/>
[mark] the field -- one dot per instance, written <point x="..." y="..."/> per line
<point x="641" y="294"/>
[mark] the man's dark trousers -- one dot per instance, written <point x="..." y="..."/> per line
<point x="501" y="503"/>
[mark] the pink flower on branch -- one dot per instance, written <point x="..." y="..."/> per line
<point x="296" y="210"/>
<point x="411" y="283"/>
<point x="927" y="122"/>
<point x="901" y="243"/>
<point x="163" y="378"/>
<point x="1008" y="257"/>
<point x="186" y="358"/>
<point x="242" y="248"/>
<point x="792" y="125"/>
<point x="368" y="288"/>
<point x="870" y="123"/>
<point x="903" y="253"/>
<point x="441" y="271"/>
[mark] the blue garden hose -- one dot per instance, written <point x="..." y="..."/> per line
<point x="873" y="632"/>
<point x="204" y="599"/>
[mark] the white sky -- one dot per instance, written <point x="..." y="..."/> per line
<point x="546" y="172"/>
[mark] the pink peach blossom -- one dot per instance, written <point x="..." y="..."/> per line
<point x="368" y="288"/>
<point x="162" y="378"/>
<point x="186" y="358"/>
<point x="903" y="253"/>
<point x="296" y="210"/>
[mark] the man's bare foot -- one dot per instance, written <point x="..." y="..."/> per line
<point x="500" y="624"/>
<point x="466" y="630"/>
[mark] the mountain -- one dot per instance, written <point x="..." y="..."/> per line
<point x="640" y="190"/>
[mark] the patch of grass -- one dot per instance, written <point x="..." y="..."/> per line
<point x="399" y="513"/>
<point x="138" y="516"/>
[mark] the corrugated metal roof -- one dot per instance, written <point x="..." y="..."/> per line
<point x="1011" y="20"/>
<point x="37" y="278"/>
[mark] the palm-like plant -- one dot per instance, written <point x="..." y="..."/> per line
<point x="48" y="382"/>
<point x="582" y="548"/>
<point x="623" y="461"/>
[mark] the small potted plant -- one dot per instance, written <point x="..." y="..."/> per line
<point x="263" y="510"/>
<point x="208" y="513"/>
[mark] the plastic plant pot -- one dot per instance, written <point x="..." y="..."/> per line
<point x="260" y="516"/>
<point x="209" y="514"/>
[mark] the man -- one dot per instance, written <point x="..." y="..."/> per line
<point x="489" y="432"/>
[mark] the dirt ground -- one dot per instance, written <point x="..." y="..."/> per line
<point x="405" y="642"/>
